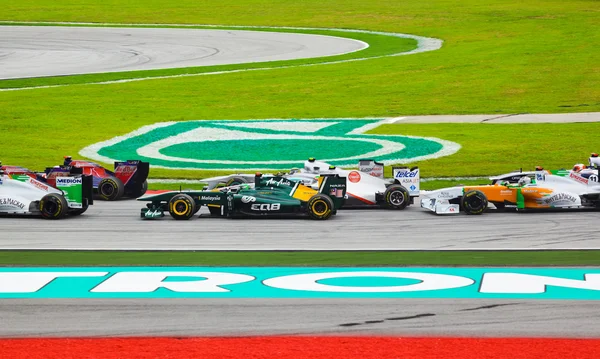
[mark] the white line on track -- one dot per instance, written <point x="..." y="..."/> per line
<point x="242" y="249"/>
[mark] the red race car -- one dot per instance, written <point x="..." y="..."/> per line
<point x="129" y="178"/>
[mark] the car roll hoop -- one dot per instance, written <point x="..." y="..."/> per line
<point x="257" y="178"/>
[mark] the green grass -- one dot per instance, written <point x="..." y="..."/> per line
<point x="538" y="56"/>
<point x="491" y="149"/>
<point x="443" y="183"/>
<point x="293" y="258"/>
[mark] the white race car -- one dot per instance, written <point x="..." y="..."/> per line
<point x="534" y="190"/>
<point x="366" y="187"/>
<point x="22" y="193"/>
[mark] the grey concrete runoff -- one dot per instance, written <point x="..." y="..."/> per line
<point x="118" y="226"/>
<point x="38" y="51"/>
<point x="243" y="317"/>
<point x="504" y="118"/>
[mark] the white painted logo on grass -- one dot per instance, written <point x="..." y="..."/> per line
<point x="266" y="144"/>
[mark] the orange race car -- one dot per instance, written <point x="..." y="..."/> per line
<point x="541" y="190"/>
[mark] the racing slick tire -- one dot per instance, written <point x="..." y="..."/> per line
<point x="474" y="202"/>
<point x="235" y="181"/>
<point x="182" y="206"/>
<point x="111" y="188"/>
<point x="320" y="207"/>
<point x="396" y="197"/>
<point x="140" y="191"/>
<point x="53" y="206"/>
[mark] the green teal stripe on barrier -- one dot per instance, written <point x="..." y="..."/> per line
<point x="300" y="282"/>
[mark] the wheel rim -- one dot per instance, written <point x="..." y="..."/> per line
<point x="180" y="207"/>
<point x="396" y="198"/>
<point x="107" y="189"/>
<point x="319" y="207"/>
<point x="50" y="207"/>
<point x="475" y="202"/>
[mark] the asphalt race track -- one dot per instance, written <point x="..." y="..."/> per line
<point x="117" y="225"/>
<point x="37" y="51"/>
<point x="243" y="317"/>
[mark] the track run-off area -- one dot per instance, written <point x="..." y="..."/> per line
<point x="39" y="51"/>
<point x="53" y="50"/>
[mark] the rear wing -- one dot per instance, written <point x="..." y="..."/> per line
<point x="77" y="189"/>
<point x="333" y="186"/>
<point x="409" y="178"/>
<point x="133" y="173"/>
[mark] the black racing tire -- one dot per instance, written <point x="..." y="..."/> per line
<point x="396" y="197"/>
<point x="78" y="211"/>
<point x="182" y="206"/>
<point x="53" y="206"/>
<point x="214" y="211"/>
<point x="320" y="207"/>
<point x="236" y="181"/>
<point x="140" y="191"/>
<point x="474" y="202"/>
<point x="111" y="188"/>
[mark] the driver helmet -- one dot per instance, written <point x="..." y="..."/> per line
<point x="579" y="167"/>
<point x="523" y="181"/>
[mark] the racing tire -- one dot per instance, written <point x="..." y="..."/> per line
<point x="140" y="191"/>
<point x="182" y="206"/>
<point x="320" y="207"/>
<point x="474" y="202"/>
<point x="396" y="197"/>
<point x="111" y="188"/>
<point x="53" y="206"/>
<point x="214" y="211"/>
<point x="235" y="181"/>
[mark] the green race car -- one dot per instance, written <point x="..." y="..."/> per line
<point x="271" y="196"/>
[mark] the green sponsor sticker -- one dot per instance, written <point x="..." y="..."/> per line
<point x="300" y="282"/>
<point x="266" y="144"/>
